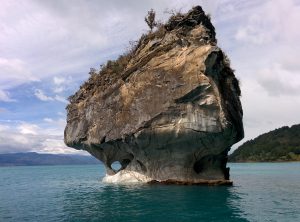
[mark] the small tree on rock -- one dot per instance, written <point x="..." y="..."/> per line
<point x="93" y="71"/>
<point x="150" y="19"/>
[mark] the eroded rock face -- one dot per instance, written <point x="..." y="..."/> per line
<point x="173" y="113"/>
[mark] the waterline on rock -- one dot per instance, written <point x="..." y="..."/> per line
<point x="125" y="177"/>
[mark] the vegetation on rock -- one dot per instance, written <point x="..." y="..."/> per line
<point x="150" y="19"/>
<point x="281" y="144"/>
<point x="113" y="70"/>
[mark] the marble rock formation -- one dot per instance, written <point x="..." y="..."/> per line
<point x="170" y="116"/>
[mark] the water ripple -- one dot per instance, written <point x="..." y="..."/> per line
<point x="261" y="192"/>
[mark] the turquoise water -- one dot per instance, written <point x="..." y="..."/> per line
<point x="261" y="192"/>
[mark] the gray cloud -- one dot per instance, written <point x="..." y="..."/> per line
<point x="275" y="87"/>
<point x="278" y="81"/>
<point x="41" y="40"/>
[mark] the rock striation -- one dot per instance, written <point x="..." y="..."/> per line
<point x="170" y="115"/>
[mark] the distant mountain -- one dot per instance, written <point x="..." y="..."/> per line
<point x="281" y="144"/>
<point x="34" y="159"/>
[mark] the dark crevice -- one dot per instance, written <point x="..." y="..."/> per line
<point x="103" y="140"/>
<point x="199" y="166"/>
<point x="218" y="161"/>
<point x="125" y="163"/>
<point x="193" y="95"/>
<point x="142" y="166"/>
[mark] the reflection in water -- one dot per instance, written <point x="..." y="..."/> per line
<point x="152" y="203"/>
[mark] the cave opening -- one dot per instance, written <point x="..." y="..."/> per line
<point x="116" y="166"/>
<point x="199" y="166"/>
<point x="119" y="165"/>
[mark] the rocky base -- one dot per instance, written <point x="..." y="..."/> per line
<point x="126" y="177"/>
<point x="132" y="177"/>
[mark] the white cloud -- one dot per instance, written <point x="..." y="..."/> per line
<point x="61" y="114"/>
<point x="290" y="61"/>
<point x="60" y="99"/>
<point x="62" y="84"/>
<point x="13" y="72"/>
<point x="56" y="145"/>
<point x="59" y="89"/>
<point x="59" y="80"/>
<point x="41" y="95"/>
<point x="5" y="97"/>
<point x="49" y="120"/>
<point x="26" y="128"/>
<point x="55" y="127"/>
<point x="28" y="137"/>
<point x="4" y="127"/>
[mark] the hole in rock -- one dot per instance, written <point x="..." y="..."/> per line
<point x="125" y="162"/>
<point x="116" y="166"/>
<point x="199" y="166"/>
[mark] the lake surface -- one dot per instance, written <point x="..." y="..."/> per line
<point x="261" y="192"/>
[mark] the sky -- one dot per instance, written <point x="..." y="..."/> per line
<point x="48" y="47"/>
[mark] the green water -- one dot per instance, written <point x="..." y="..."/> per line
<point x="261" y="192"/>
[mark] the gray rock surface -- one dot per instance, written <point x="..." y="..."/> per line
<point x="171" y="115"/>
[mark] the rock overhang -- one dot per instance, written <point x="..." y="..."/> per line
<point x="172" y="114"/>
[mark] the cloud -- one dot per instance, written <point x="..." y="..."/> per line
<point x="56" y="145"/>
<point x="58" y="89"/>
<point x="59" y="83"/>
<point x="28" y="137"/>
<point x="5" y="97"/>
<point x="253" y="31"/>
<point x="58" y="41"/>
<point x="278" y="81"/>
<point x="55" y="41"/>
<point x="14" y="72"/>
<point x="59" y="47"/>
<point x="41" y="95"/>
<point x="3" y="127"/>
<point x="60" y="99"/>
<point x="58" y="80"/>
<point x="26" y="128"/>
<point x="54" y="126"/>
<point x="49" y="120"/>
<point x="63" y="84"/>
<point x="61" y="114"/>
<point x="261" y="41"/>
<point x="290" y="61"/>
<point x="270" y="23"/>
